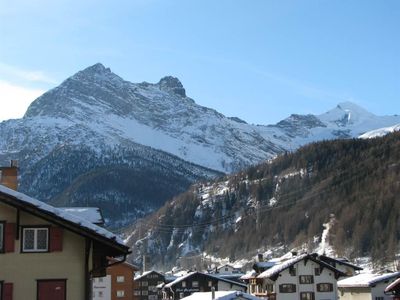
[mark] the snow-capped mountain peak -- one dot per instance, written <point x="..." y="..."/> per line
<point x="346" y="113"/>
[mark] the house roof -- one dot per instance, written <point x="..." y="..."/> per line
<point x="221" y="295"/>
<point x="264" y="264"/>
<point x="227" y="265"/>
<point x="91" y="214"/>
<point x="182" y="278"/>
<point x="366" y="279"/>
<point x="275" y="270"/>
<point x="342" y="261"/>
<point x="63" y="218"/>
<point x="147" y="273"/>
<point x="395" y="285"/>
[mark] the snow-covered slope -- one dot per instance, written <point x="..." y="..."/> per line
<point x="380" y="132"/>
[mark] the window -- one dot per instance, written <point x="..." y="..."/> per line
<point x="153" y="297"/>
<point x="307" y="296"/>
<point x="145" y="293"/>
<point x="181" y="295"/>
<point x="317" y="271"/>
<point x="100" y="279"/>
<point x="226" y="269"/>
<point x="120" y="278"/>
<point x="306" y="279"/>
<point x="324" y="287"/>
<point x="153" y="288"/>
<point x="378" y="298"/>
<point x="100" y="294"/>
<point x="292" y="271"/>
<point x="287" y="288"/>
<point x="35" y="239"/>
<point x="195" y="284"/>
<point x="183" y="283"/>
<point x="136" y="293"/>
<point x="1" y="237"/>
<point x="145" y="283"/>
<point x="120" y="293"/>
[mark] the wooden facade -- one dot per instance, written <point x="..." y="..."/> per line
<point x="147" y="286"/>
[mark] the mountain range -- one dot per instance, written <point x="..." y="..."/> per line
<point x="99" y="140"/>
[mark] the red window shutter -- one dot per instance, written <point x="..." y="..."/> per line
<point x="9" y="237"/>
<point x="56" y="239"/>
<point x="7" y="291"/>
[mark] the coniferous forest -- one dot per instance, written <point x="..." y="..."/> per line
<point x="353" y="184"/>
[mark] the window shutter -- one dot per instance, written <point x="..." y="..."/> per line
<point x="9" y="237"/>
<point x="7" y="291"/>
<point x="56" y="239"/>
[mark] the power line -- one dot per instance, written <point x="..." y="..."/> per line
<point x="162" y="227"/>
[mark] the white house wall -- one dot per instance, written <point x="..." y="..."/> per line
<point x="102" y="284"/>
<point x="326" y="276"/>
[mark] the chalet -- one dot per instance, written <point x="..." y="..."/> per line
<point x="394" y="289"/>
<point x="367" y="286"/>
<point x="148" y="286"/>
<point x="47" y="253"/>
<point x="118" y="284"/>
<point x="302" y="277"/>
<point x="199" y="282"/>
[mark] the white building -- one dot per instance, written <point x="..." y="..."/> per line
<point x="302" y="277"/>
<point x="228" y="270"/>
<point x="102" y="288"/>
<point x="366" y="286"/>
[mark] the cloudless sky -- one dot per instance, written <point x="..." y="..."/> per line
<point x="258" y="60"/>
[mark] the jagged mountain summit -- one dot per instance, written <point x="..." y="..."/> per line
<point x="88" y="139"/>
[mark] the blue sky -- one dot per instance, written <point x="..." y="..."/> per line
<point x="258" y="60"/>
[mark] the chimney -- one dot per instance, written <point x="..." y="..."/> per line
<point x="9" y="175"/>
<point x="260" y="257"/>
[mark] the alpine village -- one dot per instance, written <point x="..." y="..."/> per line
<point x="119" y="190"/>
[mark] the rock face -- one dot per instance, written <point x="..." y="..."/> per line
<point x="94" y="127"/>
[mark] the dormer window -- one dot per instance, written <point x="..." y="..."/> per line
<point x="35" y="239"/>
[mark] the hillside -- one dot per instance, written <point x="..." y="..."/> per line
<point x="352" y="185"/>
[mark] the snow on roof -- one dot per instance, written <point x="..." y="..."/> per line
<point x="280" y="267"/>
<point x="249" y="275"/>
<point x="146" y="273"/>
<point x="395" y="284"/>
<point x="366" y="279"/>
<point x="179" y="279"/>
<point x="220" y="295"/>
<point x="91" y="214"/>
<point x="61" y="214"/>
